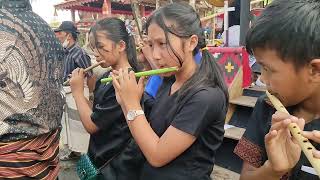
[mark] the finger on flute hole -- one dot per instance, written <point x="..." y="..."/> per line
<point x="280" y="125"/>
<point x="316" y="154"/>
<point x="307" y="134"/>
<point x="114" y="77"/>
<point x="279" y="116"/>
<point x="316" y="134"/>
<point x="286" y="122"/>
<point x="301" y="122"/>
<point x="294" y="119"/>
<point x="277" y="126"/>
<point x="312" y="135"/>
<point x="115" y="72"/>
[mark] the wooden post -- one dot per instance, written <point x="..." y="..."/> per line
<point x="244" y="20"/>
<point x="55" y="14"/>
<point x="73" y="15"/>
<point x="110" y="7"/>
<point x="142" y="10"/>
<point x="106" y="8"/>
<point x="214" y="26"/>
<point x="136" y="14"/>
<point x="235" y="90"/>
<point x="226" y="23"/>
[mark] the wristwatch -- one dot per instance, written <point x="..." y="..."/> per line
<point x="132" y="114"/>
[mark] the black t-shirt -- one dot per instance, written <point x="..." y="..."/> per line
<point x="113" y="132"/>
<point x="251" y="147"/>
<point x="201" y="113"/>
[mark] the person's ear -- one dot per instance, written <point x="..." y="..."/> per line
<point x="121" y="46"/>
<point x="68" y="36"/>
<point x="192" y="43"/>
<point x="315" y="70"/>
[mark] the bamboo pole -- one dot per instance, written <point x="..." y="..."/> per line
<point x="214" y="27"/>
<point x="135" y="12"/>
<point x="211" y="16"/>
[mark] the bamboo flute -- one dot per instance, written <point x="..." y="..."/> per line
<point x="66" y="83"/>
<point x="303" y="142"/>
<point x="146" y="73"/>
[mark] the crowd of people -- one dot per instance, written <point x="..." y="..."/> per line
<point x="164" y="127"/>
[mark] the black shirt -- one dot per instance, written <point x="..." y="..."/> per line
<point x="113" y="132"/>
<point x="201" y="113"/>
<point x="251" y="147"/>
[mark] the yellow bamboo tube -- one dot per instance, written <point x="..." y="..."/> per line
<point x="303" y="142"/>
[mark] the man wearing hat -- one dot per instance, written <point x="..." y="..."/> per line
<point x="256" y="74"/>
<point x="76" y="57"/>
<point x="73" y="137"/>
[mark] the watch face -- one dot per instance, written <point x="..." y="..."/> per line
<point x="130" y="115"/>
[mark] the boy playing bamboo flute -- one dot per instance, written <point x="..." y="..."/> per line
<point x="285" y="40"/>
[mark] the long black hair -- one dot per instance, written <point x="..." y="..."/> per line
<point x="187" y="23"/>
<point x="116" y="31"/>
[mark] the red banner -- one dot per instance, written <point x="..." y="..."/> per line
<point x="230" y="60"/>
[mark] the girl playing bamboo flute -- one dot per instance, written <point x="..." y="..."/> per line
<point x="113" y="46"/>
<point x="285" y="40"/>
<point x="186" y="121"/>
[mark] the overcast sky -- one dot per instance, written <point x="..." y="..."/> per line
<point x="45" y="8"/>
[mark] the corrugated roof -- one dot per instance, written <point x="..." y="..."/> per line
<point x="68" y="4"/>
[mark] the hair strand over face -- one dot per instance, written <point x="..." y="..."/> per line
<point x="115" y="30"/>
<point x="186" y="22"/>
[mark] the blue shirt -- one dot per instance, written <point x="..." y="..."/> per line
<point x="155" y="81"/>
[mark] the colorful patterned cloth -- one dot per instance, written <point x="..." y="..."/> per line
<point x="35" y="158"/>
<point x="31" y="67"/>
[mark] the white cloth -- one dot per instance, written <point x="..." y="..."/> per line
<point x="73" y="134"/>
<point x="234" y="36"/>
<point x="252" y="60"/>
<point x="260" y="83"/>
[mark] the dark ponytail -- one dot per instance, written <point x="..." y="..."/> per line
<point x="132" y="54"/>
<point x="212" y="71"/>
<point x="187" y="23"/>
<point x="116" y="31"/>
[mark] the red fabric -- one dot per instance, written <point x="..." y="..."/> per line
<point x="257" y="11"/>
<point x="213" y="49"/>
<point x="235" y="57"/>
<point x="249" y="152"/>
<point x="246" y="69"/>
